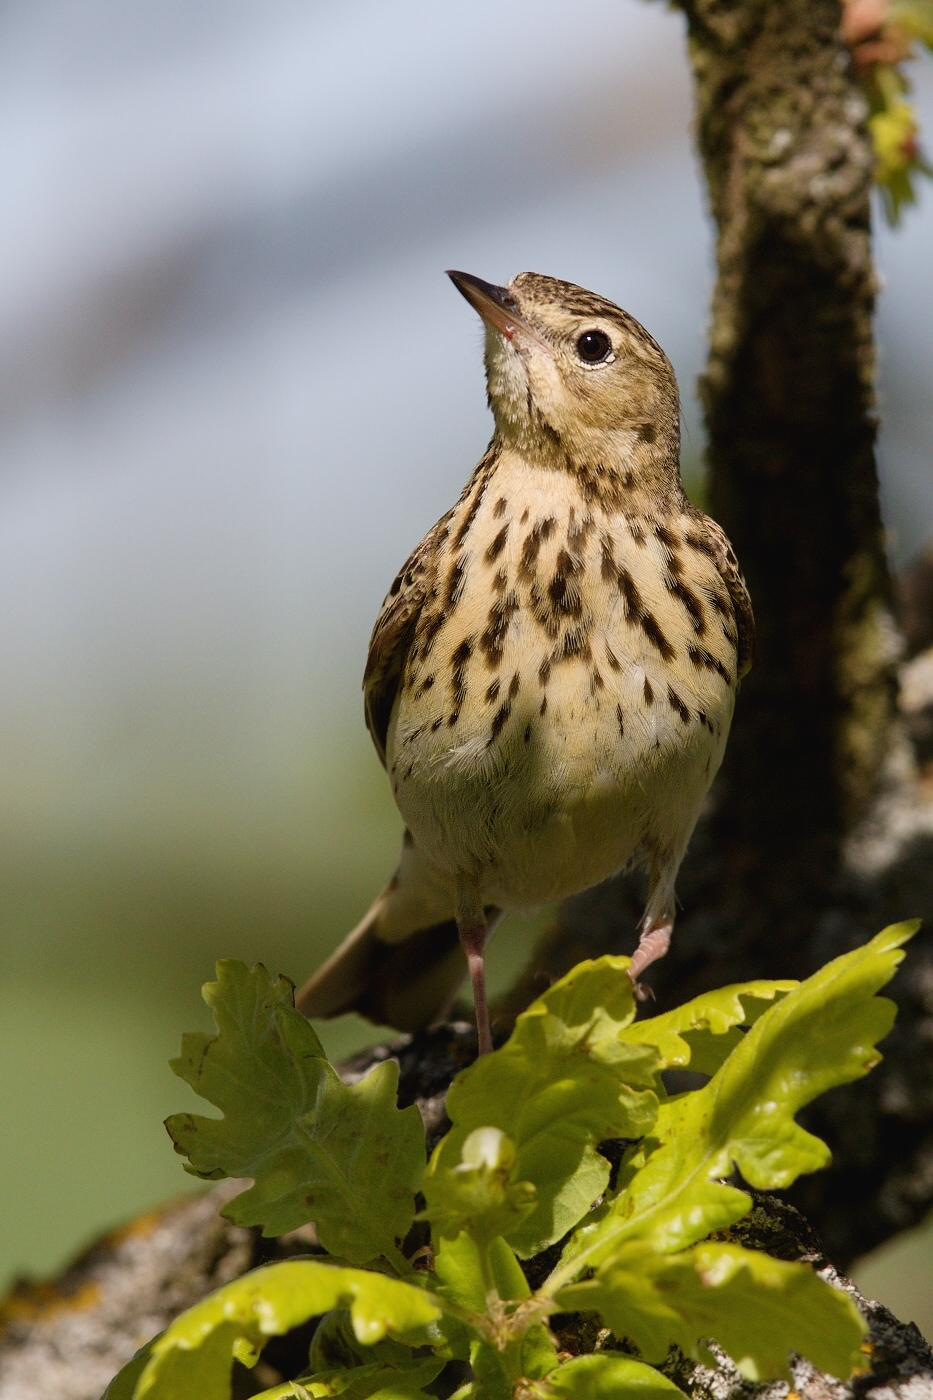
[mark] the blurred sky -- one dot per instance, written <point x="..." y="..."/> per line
<point x="235" y="389"/>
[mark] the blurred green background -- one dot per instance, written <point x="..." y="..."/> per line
<point x="235" y="389"/>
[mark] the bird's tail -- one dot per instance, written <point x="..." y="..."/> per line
<point x="402" y="964"/>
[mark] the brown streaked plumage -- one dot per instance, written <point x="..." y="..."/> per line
<point x="551" y="679"/>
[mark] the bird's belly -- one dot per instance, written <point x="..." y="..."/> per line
<point x="552" y="803"/>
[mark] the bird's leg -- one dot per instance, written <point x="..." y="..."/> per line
<point x="655" y="931"/>
<point x="473" y="931"/>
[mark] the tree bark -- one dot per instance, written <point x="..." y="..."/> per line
<point x="817" y="833"/>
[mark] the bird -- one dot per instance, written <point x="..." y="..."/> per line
<point x="551" y="678"/>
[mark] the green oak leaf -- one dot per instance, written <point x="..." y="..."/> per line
<point x="360" y="1383"/>
<point x="562" y="1083"/>
<point x="703" y="1033"/>
<point x="192" y="1358"/>
<point x="123" y="1385"/>
<point x="479" y="1194"/>
<point x="288" y="1390"/>
<point x="466" y="1270"/>
<point x="466" y="1273"/>
<point x="607" y="1376"/>
<point x="343" y="1156"/>
<point x="363" y="1382"/>
<point x="671" y="1191"/>
<point x="758" y="1309"/>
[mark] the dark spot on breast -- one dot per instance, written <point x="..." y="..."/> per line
<point x="647" y="433"/>
<point x="498" y="545"/>
<point x="470" y="516"/>
<point x="621" y="720"/>
<point x="704" y="660"/>
<point x="527" y="734"/>
<point x="577" y="535"/>
<point x="497" y="625"/>
<point x="452" y="720"/>
<point x="607" y="566"/>
<point x="677" y="704"/>
<point x="665" y="536"/>
<point x="501" y="581"/>
<point x="539" y="533"/>
<point x="575" y="643"/>
<point x="436" y="725"/>
<point x="563" y="590"/>
<point x="629" y="590"/>
<point x="458" y="662"/>
<point x="501" y="507"/>
<point x="396" y="585"/>
<point x="544" y="671"/>
<point x="596" y="682"/>
<point x="454" y="583"/>
<point x="514" y="685"/>
<point x="499" y="719"/>
<point x="689" y="600"/>
<point x="543" y="708"/>
<point x="524" y="518"/>
<point x="492" y="694"/>
<point x="637" y="533"/>
<point x="655" y="636"/>
<point x="648" y="692"/>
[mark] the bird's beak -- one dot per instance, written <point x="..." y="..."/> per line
<point x="496" y="305"/>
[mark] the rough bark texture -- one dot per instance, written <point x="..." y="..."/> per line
<point x="68" y="1337"/>
<point x="818" y="832"/>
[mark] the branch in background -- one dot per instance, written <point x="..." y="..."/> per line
<point x="819" y="831"/>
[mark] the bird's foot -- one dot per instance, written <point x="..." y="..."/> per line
<point x="653" y="944"/>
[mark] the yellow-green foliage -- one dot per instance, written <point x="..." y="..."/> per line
<point x="518" y="1171"/>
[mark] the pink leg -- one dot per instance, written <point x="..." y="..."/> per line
<point x="657" y="925"/>
<point x="653" y="944"/>
<point x="473" y="931"/>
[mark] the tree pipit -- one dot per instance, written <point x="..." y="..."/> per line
<point x="551" y="679"/>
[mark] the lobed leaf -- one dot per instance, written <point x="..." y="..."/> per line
<point x="479" y="1194"/>
<point x="758" y="1309"/>
<point x="363" y="1382"/>
<point x="608" y="1376"/>
<point x="343" y="1156"/>
<point x="824" y="1032"/>
<point x="564" y="1081"/>
<point x="704" y="1032"/>
<point x="194" y="1355"/>
<point x="360" y="1383"/>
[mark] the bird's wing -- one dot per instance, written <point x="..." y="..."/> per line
<point x="392" y="637"/>
<point x="723" y="556"/>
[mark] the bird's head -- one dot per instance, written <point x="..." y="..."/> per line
<point x="575" y="381"/>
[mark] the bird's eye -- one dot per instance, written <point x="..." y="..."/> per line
<point x="593" y="347"/>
